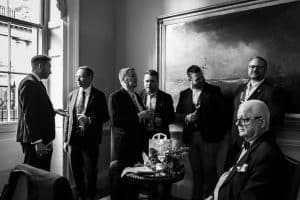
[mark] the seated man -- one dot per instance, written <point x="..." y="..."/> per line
<point x="257" y="173"/>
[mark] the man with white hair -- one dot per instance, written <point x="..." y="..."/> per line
<point x="256" y="174"/>
<point x="127" y="113"/>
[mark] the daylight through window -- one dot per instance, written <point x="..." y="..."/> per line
<point x="21" y="32"/>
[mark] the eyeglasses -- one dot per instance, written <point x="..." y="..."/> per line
<point x="256" y="66"/>
<point x="246" y="121"/>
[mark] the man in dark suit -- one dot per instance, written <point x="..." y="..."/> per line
<point x="257" y="173"/>
<point x="36" y="126"/>
<point x="257" y="88"/>
<point x="127" y="113"/>
<point x="159" y="102"/>
<point x="200" y="109"/>
<point x="87" y="109"/>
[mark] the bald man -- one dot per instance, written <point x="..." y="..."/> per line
<point x="257" y="172"/>
<point x="258" y="87"/>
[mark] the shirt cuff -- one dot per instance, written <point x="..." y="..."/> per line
<point x="37" y="141"/>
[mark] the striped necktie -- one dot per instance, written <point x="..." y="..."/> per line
<point x="80" y="104"/>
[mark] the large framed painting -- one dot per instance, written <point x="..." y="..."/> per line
<point x="222" y="38"/>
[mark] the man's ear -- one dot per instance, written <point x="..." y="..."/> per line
<point x="262" y="123"/>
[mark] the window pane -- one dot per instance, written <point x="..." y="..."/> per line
<point x="15" y="81"/>
<point x="3" y="97"/>
<point x="22" y="9"/>
<point x="4" y="47"/>
<point x="23" y="47"/>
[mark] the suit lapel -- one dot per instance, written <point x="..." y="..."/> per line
<point x="73" y="100"/>
<point x="91" y="98"/>
<point x="144" y="97"/>
<point x="258" y="91"/>
<point x="243" y="160"/>
<point x="189" y="99"/>
<point x="129" y="100"/>
<point x="158" y="100"/>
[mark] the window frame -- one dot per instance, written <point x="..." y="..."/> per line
<point x="42" y="46"/>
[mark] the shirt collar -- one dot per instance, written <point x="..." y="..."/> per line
<point x="255" y="83"/>
<point x="36" y="76"/>
<point x="87" y="90"/>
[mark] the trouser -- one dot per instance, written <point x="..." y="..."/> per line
<point x="84" y="167"/>
<point x="203" y="156"/>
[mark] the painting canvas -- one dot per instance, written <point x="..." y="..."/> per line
<point x="222" y="44"/>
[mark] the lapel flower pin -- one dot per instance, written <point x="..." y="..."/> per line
<point x="242" y="168"/>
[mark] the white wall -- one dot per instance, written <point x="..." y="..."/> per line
<point x="97" y="41"/>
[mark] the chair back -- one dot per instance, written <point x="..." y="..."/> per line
<point x="30" y="183"/>
<point x="292" y="179"/>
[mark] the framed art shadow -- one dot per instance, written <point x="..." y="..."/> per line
<point x="222" y="38"/>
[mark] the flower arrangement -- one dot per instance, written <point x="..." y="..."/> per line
<point x="169" y="164"/>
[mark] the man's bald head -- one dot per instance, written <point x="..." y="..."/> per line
<point x="253" y="119"/>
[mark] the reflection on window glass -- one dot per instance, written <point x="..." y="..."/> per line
<point x="3" y="98"/>
<point x="26" y="10"/>
<point x="14" y="84"/>
<point x="4" y="47"/>
<point x="23" y="47"/>
<point x="19" y="42"/>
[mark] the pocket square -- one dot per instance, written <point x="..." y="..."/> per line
<point x="242" y="168"/>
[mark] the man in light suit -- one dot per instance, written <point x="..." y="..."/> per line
<point x="36" y="126"/>
<point x="201" y="111"/>
<point x="256" y="88"/>
<point x="159" y="102"/>
<point x="127" y="113"/>
<point x="87" y="109"/>
<point x="257" y="173"/>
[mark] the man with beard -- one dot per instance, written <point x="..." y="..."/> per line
<point x="256" y="88"/>
<point x="201" y="110"/>
<point x="159" y="102"/>
<point x="36" y="123"/>
<point x="127" y="113"/>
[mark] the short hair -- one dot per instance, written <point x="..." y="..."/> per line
<point x="152" y="72"/>
<point x="124" y="73"/>
<point x="193" y="69"/>
<point x="89" y="71"/>
<point x="35" y="60"/>
<point x="257" y="107"/>
<point x="261" y="59"/>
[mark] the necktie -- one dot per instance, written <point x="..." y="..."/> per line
<point x="80" y="104"/>
<point x="246" y="145"/>
<point x="136" y="102"/>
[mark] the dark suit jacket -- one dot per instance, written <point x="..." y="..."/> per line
<point x="210" y="121"/>
<point x="127" y="131"/>
<point x="263" y="176"/>
<point x="268" y="94"/>
<point x="36" y="114"/>
<point x="163" y="109"/>
<point x="96" y="110"/>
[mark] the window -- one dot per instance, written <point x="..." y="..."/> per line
<point x="22" y="24"/>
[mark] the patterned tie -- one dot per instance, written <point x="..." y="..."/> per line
<point x="246" y="145"/>
<point x="80" y="105"/>
<point x="136" y="102"/>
